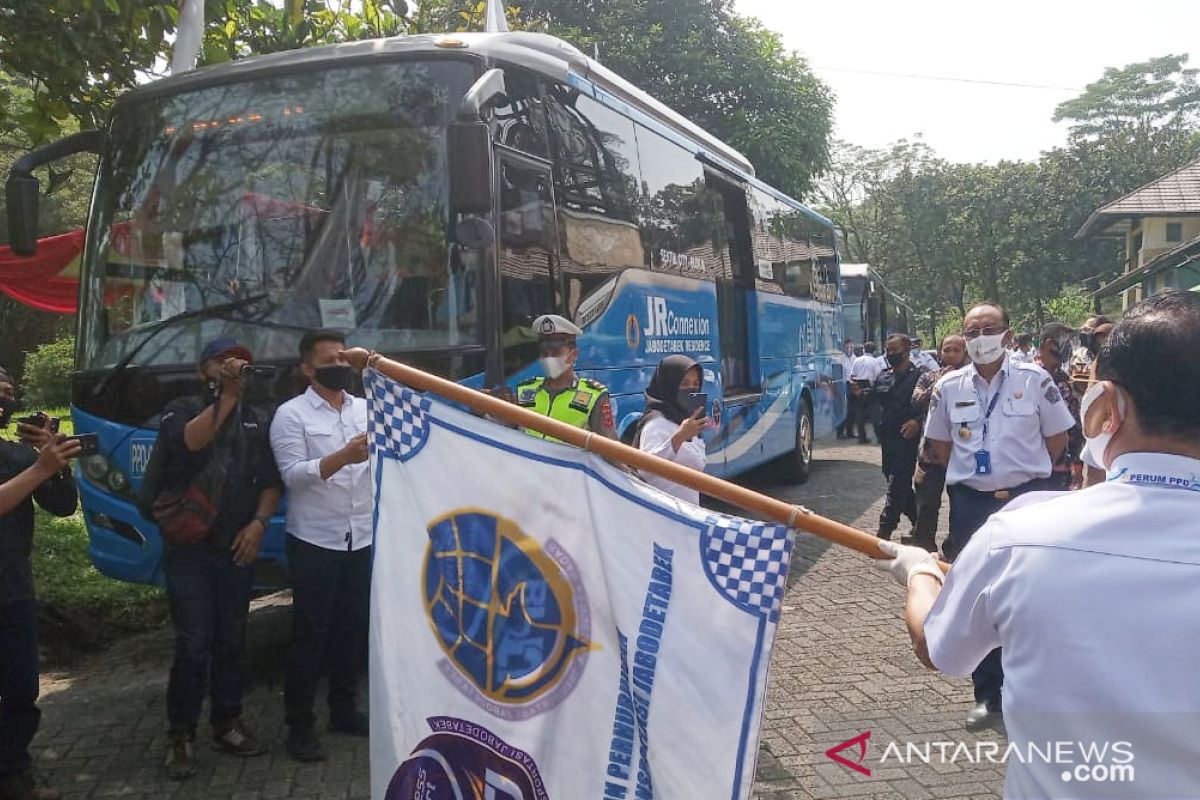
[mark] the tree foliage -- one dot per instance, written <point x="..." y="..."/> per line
<point x="947" y="235"/>
<point x="714" y="66"/>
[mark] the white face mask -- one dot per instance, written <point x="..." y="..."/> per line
<point x="1096" y="445"/>
<point x="987" y="349"/>
<point x="554" y="366"/>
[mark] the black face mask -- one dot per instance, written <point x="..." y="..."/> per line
<point x="336" y="378"/>
<point x="1064" y="351"/>
<point x="895" y="359"/>
<point x="7" y="407"/>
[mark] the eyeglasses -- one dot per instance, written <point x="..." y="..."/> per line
<point x="975" y="333"/>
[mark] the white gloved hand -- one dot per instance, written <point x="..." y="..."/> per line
<point x="906" y="561"/>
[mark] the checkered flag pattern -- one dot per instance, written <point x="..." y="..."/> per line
<point x="749" y="562"/>
<point x="397" y="417"/>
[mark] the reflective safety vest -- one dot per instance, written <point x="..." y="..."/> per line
<point x="572" y="406"/>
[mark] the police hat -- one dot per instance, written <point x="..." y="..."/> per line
<point x="548" y="325"/>
<point x="225" y="346"/>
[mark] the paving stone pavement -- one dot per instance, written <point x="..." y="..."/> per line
<point x="842" y="666"/>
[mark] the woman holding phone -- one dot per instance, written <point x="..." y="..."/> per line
<point x="676" y="413"/>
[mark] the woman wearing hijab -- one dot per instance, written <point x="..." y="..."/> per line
<point x="667" y="430"/>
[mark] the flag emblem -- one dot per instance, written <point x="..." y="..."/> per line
<point x="506" y="615"/>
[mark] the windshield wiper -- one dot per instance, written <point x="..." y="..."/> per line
<point x="161" y="325"/>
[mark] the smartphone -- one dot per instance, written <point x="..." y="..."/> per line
<point x="697" y="400"/>
<point x="89" y="443"/>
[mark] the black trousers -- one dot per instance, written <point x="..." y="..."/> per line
<point x="210" y="599"/>
<point x="969" y="509"/>
<point x="858" y="415"/>
<point x="899" y="464"/>
<point x="929" y="503"/>
<point x="19" y="714"/>
<point x="331" y="597"/>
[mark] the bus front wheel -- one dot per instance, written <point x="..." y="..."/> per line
<point x="798" y="463"/>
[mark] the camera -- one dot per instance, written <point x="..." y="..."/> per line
<point x="38" y="420"/>
<point x="260" y="370"/>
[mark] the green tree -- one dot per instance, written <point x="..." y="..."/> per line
<point x="720" y="69"/>
<point x="1148" y="96"/>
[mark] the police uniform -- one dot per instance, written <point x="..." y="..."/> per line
<point x="997" y="436"/>
<point x="1093" y="596"/>
<point x="584" y="404"/>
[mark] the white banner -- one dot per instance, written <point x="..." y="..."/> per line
<point x="546" y="626"/>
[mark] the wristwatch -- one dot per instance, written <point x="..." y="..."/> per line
<point x="266" y="522"/>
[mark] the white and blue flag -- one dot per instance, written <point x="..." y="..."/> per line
<point x="545" y="626"/>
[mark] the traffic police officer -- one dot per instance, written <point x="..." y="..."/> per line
<point x="1092" y="594"/>
<point x="999" y="426"/>
<point x="560" y="393"/>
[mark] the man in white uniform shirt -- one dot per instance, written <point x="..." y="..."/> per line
<point x="863" y="372"/>
<point x="1093" y="594"/>
<point x="320" y="444"/>
<point x="999" y="426"/>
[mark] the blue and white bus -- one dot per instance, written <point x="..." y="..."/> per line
<point x="433" y="195"/>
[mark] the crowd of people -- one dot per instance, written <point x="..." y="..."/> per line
<point x="998" y="414"/>
<point x="215" y="479"/>
<point x="991" y="417"/>
<point x="1075" y="607"/>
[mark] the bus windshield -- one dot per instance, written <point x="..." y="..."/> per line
<point x="300" y="200"/>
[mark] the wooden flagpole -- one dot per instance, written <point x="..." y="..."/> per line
<point x="767" y="507"/>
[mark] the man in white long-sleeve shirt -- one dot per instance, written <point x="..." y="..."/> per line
<point x="671" y="428"/>
<point x="320" y="444"/>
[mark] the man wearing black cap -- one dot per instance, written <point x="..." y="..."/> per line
<point x="34" y="469"/>
<point x="216" y="446"/>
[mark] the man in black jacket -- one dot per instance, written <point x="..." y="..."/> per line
<point x="209" y="581"/>
<point x="899" y="433"/>
<point x="45" y="477"/>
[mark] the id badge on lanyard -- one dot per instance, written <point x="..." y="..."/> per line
<point x="983" y="459"/>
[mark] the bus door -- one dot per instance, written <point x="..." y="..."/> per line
<point x="736" y="328"/>
<point x="527" y="257"/>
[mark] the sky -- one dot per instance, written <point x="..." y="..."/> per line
<point x="1065" y="44"/>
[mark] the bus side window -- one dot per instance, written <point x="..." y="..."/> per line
<point x="596" y="188"/>
<point x="528" y="250"/>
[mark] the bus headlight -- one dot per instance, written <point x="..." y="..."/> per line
<point x="96" y="468"/>
<point x="101" y="471"/>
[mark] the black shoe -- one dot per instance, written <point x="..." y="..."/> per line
<point x="303" y="746"/>
<point x="181" y="757"/>
<point x="884" y="534"/>
<point x="925" y="544"/>
<point x="351" y="723"/>
<point x="982" y="716"/>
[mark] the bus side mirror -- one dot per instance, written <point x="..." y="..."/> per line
<point x="21" y="193"/>
<point x="22" y="190"/>
<point x="469" y="152"/>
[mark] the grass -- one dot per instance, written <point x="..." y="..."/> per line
<point x="69" y="585"/>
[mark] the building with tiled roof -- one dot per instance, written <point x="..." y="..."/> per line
<point x="1160" y="223"/>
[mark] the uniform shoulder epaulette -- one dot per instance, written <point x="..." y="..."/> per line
<point x="594" y="384"/>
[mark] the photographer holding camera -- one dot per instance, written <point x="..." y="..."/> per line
<point x="36" y="469"/>
<point x="212" y="492"/>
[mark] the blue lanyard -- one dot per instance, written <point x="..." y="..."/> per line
<point x="1163" y="480"/>
<point x="991" y="406"/>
